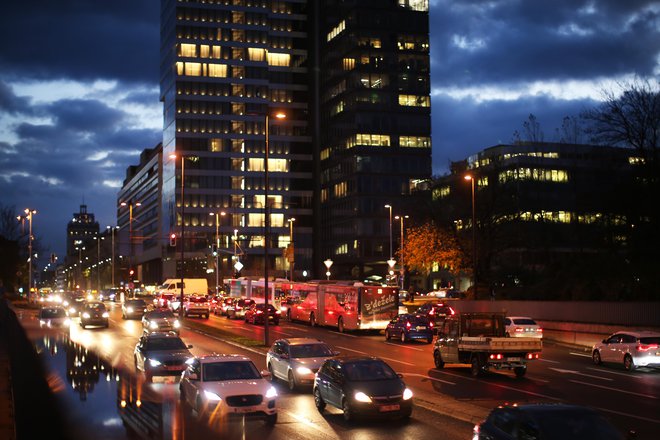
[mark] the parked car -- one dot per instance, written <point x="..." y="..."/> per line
<point x="160" y="320"/>
<point x="94" y="313"/>
<point x="133" y="308"/>
<point x="522" y="327"/>
<point x="161" y="354"/>
<point x="296" y="360"/>
<point x="196" y="305"/>
<point x="53" y="317"/>
<point x="256" y="314"/>
<point x="238" y="308"/>
<point x="436" y="311"/>
<point x="407" y="327"/>
<point x="362" y="386"/>
<point x="631" y="349"/>
<point x="228" y="386"/>
<point x="545" y="421"/>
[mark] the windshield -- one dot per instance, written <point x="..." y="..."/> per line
<point x="99" y="307"/>
<point x="136" y="303"/>
<point x="240" y="370"/>
<point x="161" y="314"/>
<point x="310" y="351"/>
<point x="369" y="370"/>
<point x="166" y="344"/>
<point x="53" y="313"/>
<point x="569" y="425"/>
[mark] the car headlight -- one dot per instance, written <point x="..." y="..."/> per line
<point x="105" y="315"/>
<point x="154" y="362"/>
<point x="66" y="303"/>
<point x="190" y="361"/>
<point x="407" y="394"/>
<point x="177" y="324"/>
<point x="85" y="315"/>
<point x="67" y="322"/>
<point x="361" y="397"/>
<point x="129" y="309"/>
<point x="303" y="370"/>
<point x="42" y="322"/>
<point x="153" y="325"/>
<point x="272" y="392"/>
<point x="211" y="396"/>
<point x="72" y="310"/>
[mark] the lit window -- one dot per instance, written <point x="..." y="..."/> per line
<point x="378" y="140"/>
<point x="188" y="50"/>
<point x="340" y="189"/>
<point x="415" y="5"/>
<point x="349" y="63"/>
<point x="415" y="141"/>
<point x="256" y="54"/>
<point x="415" y="100"/>
<point x="218" y="70"/>
<point x="337" y="30"/>
<point x="192" y="69"/>
<point x="279" y="59"/>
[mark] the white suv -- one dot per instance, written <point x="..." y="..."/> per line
<point x="633" y="349"/>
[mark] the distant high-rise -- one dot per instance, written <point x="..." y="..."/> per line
<point x="375" y="127"/>
<point x="81" y="232"/>
<point x="226" y="66"/>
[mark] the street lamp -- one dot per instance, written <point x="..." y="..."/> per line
<point x="402" y="270"/>
<point x="98" y="263"/>
<point x="390" y="208"/>
<point x="183" y="204"/>
<point x="217" y="247"/>
<point x="328" y="265"/>
<point x="28" y="216"/>
<point x="112" y="234"/>
<point x="291" y="253"/>
<point x="130" y="241"/>
<point x="278" y="115"/>
<point x="474" y="237"/>
<point x="79" y="249"/>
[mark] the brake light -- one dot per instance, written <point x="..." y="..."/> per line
<point x="497" y="356"/>
<point x="532" y="356"/>
<point x="432" y="312"/>
<point x="451" y="311"/>
<point x="539" y="330"/>
<point x="431" y="324"/>
<point x="645" y="347"/>
<point x="408" y="325"/>
<point x="277" y="312"/>
<point x="520" y="330"/>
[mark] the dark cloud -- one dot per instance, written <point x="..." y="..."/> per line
<point x="86" y="115"/>
<point x="11" y="103"/>
<point x="142" y="97"/>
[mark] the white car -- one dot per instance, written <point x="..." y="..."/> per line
<point x="54" y="317"/>
<point x="296" y="360"/>
<point x="522" y="327"/>
<point x="631" y="349"/>
<point x="228" y="386"/>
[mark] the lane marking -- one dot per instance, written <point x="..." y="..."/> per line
<point x="404" y="346"/>
<point x="580" y="354"/>
<point x="614" y="372"/>
<point x="548" y="360"/>
<point x="396" y="360"/>
<point x="310" y="423"/>
<point x="536" y="379"/>
<point x="356" y="351"/>
<point x="615" y="389"/>
<point x="646" y="419"/>
<point x="343" y="334"/>
<point x="560" y="370"/>
<point x="430" y="378"/>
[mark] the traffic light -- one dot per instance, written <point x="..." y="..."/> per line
<point x="214" y="250"/>
<point x="173" y="240"/>
<point x="131" y="272"/>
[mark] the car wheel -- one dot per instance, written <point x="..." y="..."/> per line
<point x="312" y="320"/>
<point x="206" y="316"/>
<point x="318" y="400"/>
<point x="292" y="382"/>
<point x="437" y="360"/>
<point x="520" y="371"/>
<point x="271" y="419"/>
<point x="475" y="366"/>
<point x="82" y="325"/>
<point x="348" y="411"/>
<point x="387" y="335"/>
<point x="628" y="363"/>
<point x="596" y="357"/>
<point x="340" y="325"/>
<point x="403" y="337"/>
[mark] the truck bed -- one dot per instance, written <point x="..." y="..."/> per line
<point x="499" y="344"/>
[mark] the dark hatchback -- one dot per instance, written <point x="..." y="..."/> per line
<point x="547" y="422"/>
<point x="161" y="354"/>
<point x="362" y="386"/>
<point x="94" y="313"/>
<point x="407" y="327"/>
<point x="436" y="312"/>
<point x="133" y="308"/>
<point x="256" y="314"/>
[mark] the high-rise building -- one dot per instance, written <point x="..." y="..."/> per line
<point x="227" y="68"/>
<point x="375" y="128"/>
<point x="81" y="232"/>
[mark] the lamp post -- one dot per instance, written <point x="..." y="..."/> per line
<point x="278" y="115"/>
<point x="291" y="254"/>
<point x="328" y="265"/>
<point x="130" y="241"/>
<point x="217" y="248"/>
<point x="79" y="249"/>
<point x="390" y="208"/>
<point x="112" y="261"/>
<point x="98" y="263"/>
<point x="402" y="270"/>
<point x="28" y="216"/>
<point x="183" y="204"/>
<point x="474" y="238"/>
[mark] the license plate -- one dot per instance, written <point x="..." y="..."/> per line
<point x="247" y="409"/>
<point x="174" y="368"/>
<point x="513" y="359"/>
<point x="421" y="327"/>
<point x="270" y="317"/>
<point x="387" y="408"/>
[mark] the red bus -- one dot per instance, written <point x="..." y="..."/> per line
<point x="344" y="305"/>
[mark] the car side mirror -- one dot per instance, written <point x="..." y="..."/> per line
<point x="193" y="376"/>
<point x="399" y="375"/>
<point x="189" y="345"/>
<point x="336" y="353"/>
<point x="265" y="374"/>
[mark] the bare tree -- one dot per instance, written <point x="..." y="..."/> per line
<point x="571" y="131"/>
<point x="531" y="131"/>
<point x="9" y="226"/>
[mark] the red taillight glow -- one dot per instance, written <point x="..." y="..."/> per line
<point x="452" y="311"/>
<point x="277" y="312"/>
<point x="532" y="356"/>
<point x="408" y="325"/>
<point x="259" y="312"/>
<point x="497" y="356"/>
<point x="431" y="324"/>
<point x="645" y="347"/>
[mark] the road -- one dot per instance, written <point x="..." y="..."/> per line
<point x="629" y="400"/>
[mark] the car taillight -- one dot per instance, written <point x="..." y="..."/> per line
<point x="408" y="325"/>
<point x="238" y="307"/>
<point x="539" y="330"/>
<point x="645" y="347"/>
<point x="277" y="312"/>
<point x="432" y="312"/>
<point x="532" y="356"/>
<point x="451" y="311"/>
<point x="431" y="324"/>
<point x="520" y="330"/>
<point x="496" y="356"/>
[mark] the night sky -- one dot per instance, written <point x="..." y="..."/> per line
<point x="79" y="86"/>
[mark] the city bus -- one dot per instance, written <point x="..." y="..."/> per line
<point x="345" y="305"/>
<point x="245" y="287"/>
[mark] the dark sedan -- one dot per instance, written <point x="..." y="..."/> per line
<point x="256" y="314"/>
<point x="133" y="308"/>
<point x="94" y="313"/>
<point x="362" y="386"/>
<point x="546" y="421"/>
<point x="161" y="354"/>
<point x="407" y="327"/>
